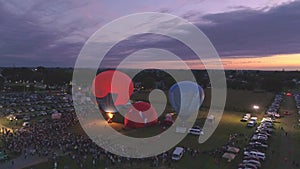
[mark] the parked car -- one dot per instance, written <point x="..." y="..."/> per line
<point x="250" y="158"/>
<point x="259" y="138"/>
<point x="255" y="162"/>
<point x="177" y="153"/>
<point x="247" y="166"/>
<point x="251" y="124"/>
<point x="26" y="124"/>
<point x="256" y="154"/>
<point x="255" y="147"/>
<point x="26" y="118"/>
<point x="253" y="118"/>
<point x="196" y="130"/>
<point x="244" y="119"/>
<point x="262" y="132"/>
<point x="267" y="119"/>
<point x="258" y="144"/>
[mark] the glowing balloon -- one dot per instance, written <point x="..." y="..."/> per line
<point x="107" y="104"/>
<point x="186" y="98"/>
<point x="140" y="114"/>
<point x="113" y="82"/>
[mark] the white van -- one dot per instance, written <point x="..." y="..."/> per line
<point x="177" y="153"/>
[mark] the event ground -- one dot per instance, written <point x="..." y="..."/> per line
<point x="281" y="146"/>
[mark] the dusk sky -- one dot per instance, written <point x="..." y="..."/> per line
<point x="253" y="34"/>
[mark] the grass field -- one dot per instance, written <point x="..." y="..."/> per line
<point x="230" y="124"/>
<point x="242" y="100"/>
<point x="239" y="101"/>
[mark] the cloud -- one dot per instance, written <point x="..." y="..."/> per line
<point x="243" y="33"/>
<point x="51" y="33"/>
<point x="147" y="41"/>
<point x="42" y="33"/>
<point x="255" y="32"/>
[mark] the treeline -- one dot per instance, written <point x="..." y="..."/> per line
<point x="49" y="76"/>
<point x="273" y="81"/>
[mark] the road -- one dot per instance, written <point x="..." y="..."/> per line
<point x="20" y="162"/>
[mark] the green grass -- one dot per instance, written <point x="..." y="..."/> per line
<point x="230" y="124"/>
<point x="238" y="102"/>
<point x="242" y="100"/>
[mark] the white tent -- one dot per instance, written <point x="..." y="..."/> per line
<point x="211" y="117"/>
<point x="229" y="156"/>
<point x="181" y="129"/>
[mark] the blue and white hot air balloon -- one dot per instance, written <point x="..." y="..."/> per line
<point x="186" y="98"/>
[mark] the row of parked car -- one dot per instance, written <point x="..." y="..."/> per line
<point x="14" y="103"/>
<point x="36" y="108"/>
<point x="179" y="151"/>
<point x="273" y="109"/>
<point x="255" y="151"/>
<point x="297" y="99"/>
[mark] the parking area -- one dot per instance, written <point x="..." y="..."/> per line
<point x="276" y="138"/>
<point x="255" y="152"/>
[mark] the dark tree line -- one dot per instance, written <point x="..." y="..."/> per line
<point x="273" y="81"/>
<point x="50" y="76"/>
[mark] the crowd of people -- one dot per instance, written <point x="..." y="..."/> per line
<point x="52" y="139"/>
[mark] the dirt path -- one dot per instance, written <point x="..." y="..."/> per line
<point x="20" y="162"/>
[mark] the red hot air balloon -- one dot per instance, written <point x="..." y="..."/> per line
<point x="140" y="114"/>
<point x="113" y="82"/>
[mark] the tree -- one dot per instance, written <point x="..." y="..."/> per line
<point x="148" y="82"/>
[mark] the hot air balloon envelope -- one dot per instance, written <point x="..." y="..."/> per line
<point x="186" y="98"/>
<point x="140" y="114"/>
<point x="113" y="82"/>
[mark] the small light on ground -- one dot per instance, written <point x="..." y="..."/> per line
<point x="255" y="107"/>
